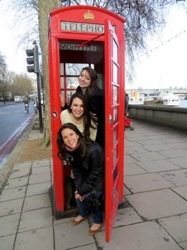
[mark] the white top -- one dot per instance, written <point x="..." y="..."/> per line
<point x="65" y="117"/>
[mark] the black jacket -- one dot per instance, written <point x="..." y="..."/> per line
<point x="88" y="171"/>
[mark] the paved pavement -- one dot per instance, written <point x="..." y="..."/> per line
<point x="155" y="190"/>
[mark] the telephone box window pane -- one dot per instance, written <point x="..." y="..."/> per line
<point x="71" y="82"/>
<point x="74" y="68"/>
<point x="62" y="82"/>
<point x="115" y="95"/>
<point x="115" y="136"/>
<point x="62" y="94"/>
<point x="115" y="174"/>
<point x="115" y="116"/>
<point x="115" y="74"/>
<point x="114" y="156"/>
<point x="115" y="52"/>
<point x="62" y="69"/>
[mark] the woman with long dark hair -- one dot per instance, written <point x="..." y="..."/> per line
<point x="78" y="113"/>
<point x="86" y="158"/>
<point x="95" y="97"/>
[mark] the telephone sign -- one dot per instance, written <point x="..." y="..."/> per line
<point x="82" y="27"/>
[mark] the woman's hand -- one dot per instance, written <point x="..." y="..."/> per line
<point x="62" y="101"/>
<point x="78" y="196"/>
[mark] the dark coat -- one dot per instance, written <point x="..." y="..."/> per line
<point x="97" y="106"/>
<point x="89" y="170"/>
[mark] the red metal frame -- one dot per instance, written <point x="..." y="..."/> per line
<point x="114" y="165"/>
<point x="76" y="14"/>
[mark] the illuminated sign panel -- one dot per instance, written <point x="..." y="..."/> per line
<point x="75" y="46"/>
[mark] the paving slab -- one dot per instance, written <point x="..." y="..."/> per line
<point x="69" y="237"/>
<point x="149" y="156"/>
<point x="174" y="153"/>
<point x="13" y="193"/>
<point x="126" y="216"/>
<point x="178" y="177"/>
<point x="36" y="202"/>
<point x="9" y="224"/>
<point x="41" y="163"/>
<point x="141" y="236"/>
<point x="11" y="207"/>
<point x="133" y="168"/>
<point x="180" y="161"/>
<point x="35" y="219"/>
<point x="146" y="182"/>
<point x="158" y="166"/>
<point x="183" y="245"/>
<point x="20" y="171"/>
<point x="182" y="191"/>
<point x="7" y="242"/>
<point x="18" y="166"/>
<point x="36" y="239"/>
<point x="157" y="147"/>
<point x="157" y="204"/>
<point x="39" y="178"/>
<point x="132" y="150"/>
<point x="16" y="182"/>
<point x="176" y="226"/>
<point x="179" y="145"/>
<point x="41" y="170"/>
<point x="39" y="188"/>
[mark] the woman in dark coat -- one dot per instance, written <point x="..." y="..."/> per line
<point x="96" y="101"/>
<point x="86" y="158"/>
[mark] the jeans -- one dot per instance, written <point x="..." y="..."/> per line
<point x="86" y="211"/>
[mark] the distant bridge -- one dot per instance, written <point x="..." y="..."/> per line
<point x="181" y="92"/>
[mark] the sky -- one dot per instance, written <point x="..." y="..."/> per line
<point x="10" y="39"/>
<point x="164" y="65"/>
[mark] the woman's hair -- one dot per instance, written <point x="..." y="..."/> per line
<point x="93" y="84"/>
<point x="87" y="117"/>
<point x="84" y="142"/>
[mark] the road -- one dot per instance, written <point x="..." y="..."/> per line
<point x="14" y="122"/>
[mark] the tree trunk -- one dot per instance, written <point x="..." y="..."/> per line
<point x="44" y="7"/>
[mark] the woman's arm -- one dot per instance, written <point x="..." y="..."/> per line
<point x="95" y="172"/>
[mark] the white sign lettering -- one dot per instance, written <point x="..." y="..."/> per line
<point x="82" y="27"/>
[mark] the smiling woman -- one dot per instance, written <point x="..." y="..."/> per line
<point x="78" y="114"/>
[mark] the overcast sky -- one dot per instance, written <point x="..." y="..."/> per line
<point x="165" y="64"/>
<point x="163" y="67"/>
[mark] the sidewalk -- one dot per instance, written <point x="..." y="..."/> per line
<point x="155" y="191"/>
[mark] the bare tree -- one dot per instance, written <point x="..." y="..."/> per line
<point x="3" y="66"/>
<point x="21" y="85"/>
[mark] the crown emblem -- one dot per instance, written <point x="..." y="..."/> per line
<point x="89" y="15"/>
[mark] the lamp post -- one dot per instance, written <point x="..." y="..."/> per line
<point x="38" y="87"/>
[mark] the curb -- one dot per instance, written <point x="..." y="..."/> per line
<point x="13" y="158"/>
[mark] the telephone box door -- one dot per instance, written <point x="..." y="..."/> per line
<point x="114" y="158"/>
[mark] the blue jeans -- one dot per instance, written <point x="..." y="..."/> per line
<point x="85" y="210"/>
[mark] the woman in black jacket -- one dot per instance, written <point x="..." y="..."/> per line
<point x="96" y="101"/>
<point x="87" y="160"/>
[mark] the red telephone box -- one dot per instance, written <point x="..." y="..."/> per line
<point x="82" y="36"/>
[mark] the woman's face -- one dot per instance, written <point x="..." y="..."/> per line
<point x="77" y="107"/>
<point x="70" y="138"/>
<point x="84" y="79"/>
